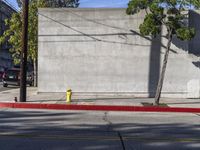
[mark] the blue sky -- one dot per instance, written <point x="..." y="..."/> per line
<point x="103" y="3"/>
<point x="13" y="3"/>
<point x="92" y="3"/>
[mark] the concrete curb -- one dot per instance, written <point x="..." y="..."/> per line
<point x="99" y="107"/>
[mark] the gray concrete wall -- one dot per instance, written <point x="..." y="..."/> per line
<point x="100" y="51"/>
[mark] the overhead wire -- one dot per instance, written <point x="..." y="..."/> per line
<point x="101" y="40"/>
<point x="94" y="21"/>
<point x="85" y="34"/>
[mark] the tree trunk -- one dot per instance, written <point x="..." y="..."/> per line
<point x="35" y="67"/>
<point x="162" y="75"/>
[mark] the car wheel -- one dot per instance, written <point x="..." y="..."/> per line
<point x="5" y="85"/>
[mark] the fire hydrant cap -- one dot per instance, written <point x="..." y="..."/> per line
<point x="69" y="90"/>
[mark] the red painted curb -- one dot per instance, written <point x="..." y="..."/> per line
<point x="99" y="107"/>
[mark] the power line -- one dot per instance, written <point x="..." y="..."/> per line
<point x="96" y="39"/>
<point x="88" y="35"/>
<point x="93" y="21"/>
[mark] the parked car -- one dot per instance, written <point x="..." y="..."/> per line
<point x="1" y="75"/>
<point x="12" y="77"/>
<point x="2" y="70"/>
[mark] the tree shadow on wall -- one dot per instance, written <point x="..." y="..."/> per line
<point x="154" y="61"/>
<point x="197" y="64"/>
<point x="193" y="46"/>
<point x="154" y="65"/>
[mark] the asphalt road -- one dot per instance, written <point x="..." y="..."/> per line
<point x="90" y="130"/>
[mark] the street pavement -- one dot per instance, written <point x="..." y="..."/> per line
<point x="90" y="130"/>
<point x="96" y="130"/>
<point x="9" y="94"/>
<point x="6" y="88"/>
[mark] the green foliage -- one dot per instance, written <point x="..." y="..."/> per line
<point x="169" y="13"/>
<point x="185" y="33"/>
<point x="14" y="32"/>
<point x="13" y="35"/>
<point x="62" y="3"/>
<point x="56" y="3"/>
<point x="156" y="9"/>
<point x="135" y="6"/>
<point x="150" y="26"/>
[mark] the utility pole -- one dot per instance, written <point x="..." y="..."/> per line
<point x="23" y="65"/>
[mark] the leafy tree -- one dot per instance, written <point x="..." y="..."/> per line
<point x="168" y="13"/>
<point x="14" y="38"/>
<point x="14" y="32"/>
<point x="62" y="3"/>
<point x="57" y="3"/>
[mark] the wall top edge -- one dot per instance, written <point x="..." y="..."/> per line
<point x="80" y="9"/>
<point x="89" y="9"/>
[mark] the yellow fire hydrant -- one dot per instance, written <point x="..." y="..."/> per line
<point x="68" y="95"/>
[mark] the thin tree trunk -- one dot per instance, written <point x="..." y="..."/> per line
<point x="162" y="75"/>
<point x="35" y="72"/>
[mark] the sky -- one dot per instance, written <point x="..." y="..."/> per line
<point x="103" y="3"/>
<point x="92" y="3"/>
<point x="13" y="3"/>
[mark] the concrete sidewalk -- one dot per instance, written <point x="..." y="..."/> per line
<point x="60" y="98"/>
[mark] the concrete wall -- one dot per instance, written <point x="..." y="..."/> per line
<point x="100" y="51"/>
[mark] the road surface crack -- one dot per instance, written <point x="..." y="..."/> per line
<point x="105" y="118"/>
<point x="110" y="124"/>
